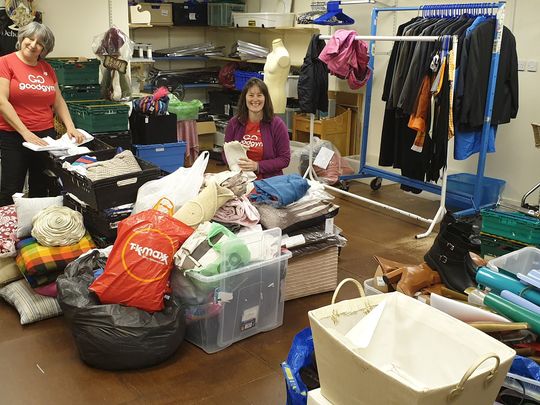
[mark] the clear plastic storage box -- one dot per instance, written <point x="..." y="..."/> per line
<point x="242" y="302"/>
<point x="520" y="261"/>
<point x="220" y="14"/>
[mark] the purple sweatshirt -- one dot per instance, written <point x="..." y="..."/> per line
<point x="276" y="145"/>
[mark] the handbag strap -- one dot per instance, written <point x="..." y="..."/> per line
<point x="347" y="280"/>
<point x="164" y="205"/>
<point x="458" y="389"/>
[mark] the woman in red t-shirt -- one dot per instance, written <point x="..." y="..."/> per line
<point x="264" y="133"/>
<point x="29" y="96"/>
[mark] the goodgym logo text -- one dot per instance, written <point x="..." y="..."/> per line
<point x="36" y="83"/>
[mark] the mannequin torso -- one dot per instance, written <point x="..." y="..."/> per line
<point x="276" y="70"/>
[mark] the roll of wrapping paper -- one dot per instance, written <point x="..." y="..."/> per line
<point x="522" y="302"/>
<point x="498" y="282"/>
<point x="513" y="311"/>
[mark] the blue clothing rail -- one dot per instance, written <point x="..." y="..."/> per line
<point x="496" y="9"/>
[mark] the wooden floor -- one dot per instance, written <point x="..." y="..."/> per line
<point x="247" y="372"/>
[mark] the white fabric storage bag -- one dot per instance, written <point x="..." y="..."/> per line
<point x="416" y="355"/>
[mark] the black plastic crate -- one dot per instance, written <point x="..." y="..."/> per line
<point x="151" y="129"/>
<point x="190" y="14"/>
<point x="109" y="192"/>
<point x="116" y="139"/>
<point x="95" y="145"/>
<point x="97" y="222"/>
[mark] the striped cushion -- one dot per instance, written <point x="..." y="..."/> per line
<point x="32" y="307"/>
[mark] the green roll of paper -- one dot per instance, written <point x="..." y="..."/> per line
<point x="513" y="311"/>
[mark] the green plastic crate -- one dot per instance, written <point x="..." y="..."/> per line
<point x="70" y="72"/>
<point x="84" y="92"/>
<point x="515" y="226"/>
<point x="99" y="115"/>
<point x="495" y="246"/>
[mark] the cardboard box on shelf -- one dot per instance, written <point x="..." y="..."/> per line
<point x="206" y="131"/>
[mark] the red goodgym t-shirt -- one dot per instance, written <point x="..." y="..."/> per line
<point x="31" y="92"/>
<point x="253" y="140"/>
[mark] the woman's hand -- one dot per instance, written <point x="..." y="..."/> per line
<point x="75" y="134"/>
<point x="33" y="138"/>
<point x="248" y="165"/>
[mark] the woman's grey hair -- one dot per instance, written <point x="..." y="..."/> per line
<point x="37" y="30"/>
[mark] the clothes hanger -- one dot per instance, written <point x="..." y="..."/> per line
<point x="334" y="15"/>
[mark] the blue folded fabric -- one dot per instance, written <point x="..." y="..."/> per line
<point x="280" y="190"/>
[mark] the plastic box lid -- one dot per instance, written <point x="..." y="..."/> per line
<point x="520" y="261"/>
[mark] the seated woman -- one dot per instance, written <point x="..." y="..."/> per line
<point x="256" y="127"/>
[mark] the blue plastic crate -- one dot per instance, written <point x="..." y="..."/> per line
<point x="241" y="77"/>
<point x="464" y="183"/>
<point x="168" y="156"/>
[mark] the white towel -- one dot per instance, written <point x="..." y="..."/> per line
<point x="63" y="143"/>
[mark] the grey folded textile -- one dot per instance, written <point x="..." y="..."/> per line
<point x="123" y="163"/>
<point x="296" y="216"/>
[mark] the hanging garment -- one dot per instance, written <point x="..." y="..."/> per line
<point x="187" y="131"/>
<point x="506" y="102"/>
<point x="313" y="79"/>
<point x="347" y="58"/>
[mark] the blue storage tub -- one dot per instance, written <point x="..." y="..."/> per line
<point x="168" y="156"/>
<point x="241" y="77"/>
<point x="464" y="183"/>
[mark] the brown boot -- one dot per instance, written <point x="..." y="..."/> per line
<point x="414" y="278"/>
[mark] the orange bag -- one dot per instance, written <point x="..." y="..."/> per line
<point x="138" y="268"/>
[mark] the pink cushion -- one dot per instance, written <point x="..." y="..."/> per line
<point x="48" y="290"/>
<point x="8" y="229"/>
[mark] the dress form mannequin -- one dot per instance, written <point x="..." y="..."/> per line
<point x="276" y="70"/>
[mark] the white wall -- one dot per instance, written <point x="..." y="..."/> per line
<point x="76" y="22"/>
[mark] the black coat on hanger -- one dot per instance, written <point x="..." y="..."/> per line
<point x="313" y="80"/>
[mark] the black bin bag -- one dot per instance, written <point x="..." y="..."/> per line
<point x="116" y="337"/>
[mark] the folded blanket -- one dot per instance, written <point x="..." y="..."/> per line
<point x="238" y="211"/>
<point x="123" y="163"/>
<point x="280" y="190"/>
<point x="35" y="260"/>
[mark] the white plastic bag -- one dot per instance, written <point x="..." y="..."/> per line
<point x="180" y="186"/>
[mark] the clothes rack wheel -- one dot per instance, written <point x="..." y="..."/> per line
<point x="376" y="183"/>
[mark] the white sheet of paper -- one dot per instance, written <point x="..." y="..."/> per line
<point x="361" y="333"/>
<point x="292" y="241"/>
<point x="323" y="157"/>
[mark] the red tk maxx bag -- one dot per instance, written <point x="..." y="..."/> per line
<point x="138" y="268"/>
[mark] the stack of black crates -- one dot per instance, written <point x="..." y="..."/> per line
<point x="107" y="121"/>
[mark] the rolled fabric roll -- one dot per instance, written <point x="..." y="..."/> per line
<point x="58" y="226"/>
<point x="522" y="302"/>
<point x="498" y="282"/>
<point x="513" y="311"/>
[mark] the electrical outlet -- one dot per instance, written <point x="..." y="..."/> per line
<point x="521" y="65"/>
<point x="532" y="66"/>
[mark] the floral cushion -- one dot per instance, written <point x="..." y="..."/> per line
<point x="8" y="229"/>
